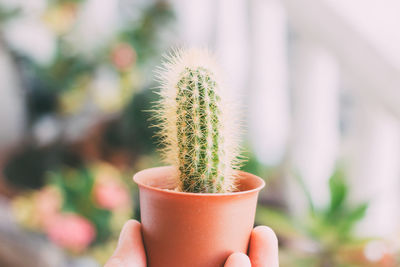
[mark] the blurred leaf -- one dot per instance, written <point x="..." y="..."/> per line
<point x="147" y="31"/>
<point x="306" y="192"/>
<point x="27" y="168"/>
<point x="338" y="191"/>
<point x="251" y="164"/>
<point x="358" y="213"/>
<point x="277" y="220"/>
<point x="76" y="186"/>
<point x="6" y="14"/>
<point x="351" y="218"/>
<point x="136" y="122"/>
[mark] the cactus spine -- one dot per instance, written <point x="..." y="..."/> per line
<point x="195" y="128"/>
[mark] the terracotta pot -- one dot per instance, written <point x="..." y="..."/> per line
<point x="189" y="229"/>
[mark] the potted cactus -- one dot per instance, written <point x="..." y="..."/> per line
<point x="200" y="208"/>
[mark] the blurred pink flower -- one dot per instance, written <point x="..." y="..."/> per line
<point x="123" y="56"/>
<point x="72" y="232"/>
<point x="48" y="205"/>
<point x="110" y="194"/>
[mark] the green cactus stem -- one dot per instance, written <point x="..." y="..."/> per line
<point x="199" y="139"/>
<point x="193" y="125"/>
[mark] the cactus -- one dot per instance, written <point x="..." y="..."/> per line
<point x="197" y="134"/>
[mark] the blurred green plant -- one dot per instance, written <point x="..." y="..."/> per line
<point x="80" y="209"/>
<point x="100" y="84"/>
<point x="63" y="85"/>
<point x="6" y="14"/>
<point x="325" y="237"/>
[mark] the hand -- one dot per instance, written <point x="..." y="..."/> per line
<point x="263" y="251"/>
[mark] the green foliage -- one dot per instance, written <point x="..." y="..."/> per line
<point x="27" y="168"/>
<point x="252" y="164"/>
<point x="338" y="191"/>
<point x="328" y="230"/>
<point x="143" y="35"/>
<point x="48" y="84"/>
<point x="132" y="130"/>
<point x="339" y="218"/>
<point x="6" y="14"/>
<point x="77" y="186"/>
<point x="93" y="201"/>
<point x="282" y="223"/>
<point x="64" y="87"/>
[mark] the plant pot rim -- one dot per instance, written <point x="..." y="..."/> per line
<point x="140" y="177"/>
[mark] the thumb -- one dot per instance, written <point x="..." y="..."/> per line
<point x="238" y="260"/>
<point x="263" y="249"/>
<point x="130" y="250"/>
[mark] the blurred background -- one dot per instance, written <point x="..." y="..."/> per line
<point x="319" y="81"/>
